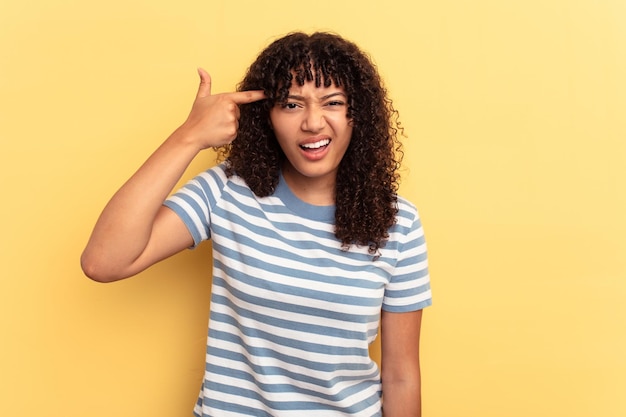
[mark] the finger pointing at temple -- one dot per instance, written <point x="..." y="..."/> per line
<point x="245" y="97"/>
<point x="239" y="97"/>
<point x="214" y="118"/>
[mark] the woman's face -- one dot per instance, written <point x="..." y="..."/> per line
<point x="313" y="130"/>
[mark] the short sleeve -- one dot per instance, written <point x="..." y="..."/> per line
<point x="195" y="201"/>
<point x="409" y="286"/>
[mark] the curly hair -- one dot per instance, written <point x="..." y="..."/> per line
<point x="367" y="179"/>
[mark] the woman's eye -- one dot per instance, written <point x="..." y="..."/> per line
<point x="290" y="106"/>
<point x="336" y="103"/>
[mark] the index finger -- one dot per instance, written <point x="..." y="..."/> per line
<point x="245" y="97"/>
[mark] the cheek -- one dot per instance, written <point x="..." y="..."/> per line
<point x="282" y="132"/>
<point x="349" y="128"/>
<point x="339" y="122"/>
<point x="343" y="127"/>
<point x="280" y="125"/>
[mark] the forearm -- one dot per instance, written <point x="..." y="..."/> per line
<point x="401" y="375"/>
<point x="125" y="225"/>
<point x="402" y="398"/>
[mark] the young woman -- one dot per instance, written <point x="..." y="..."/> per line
<point x="312" y="247"/>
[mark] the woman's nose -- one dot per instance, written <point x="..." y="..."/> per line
<point x="314" y="120"/>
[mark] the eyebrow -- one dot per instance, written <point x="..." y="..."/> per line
<point x="326" y="97"/>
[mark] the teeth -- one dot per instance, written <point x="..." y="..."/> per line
<point x="316" y="145"/>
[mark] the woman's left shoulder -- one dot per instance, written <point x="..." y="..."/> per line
<point x="406" y="209"/>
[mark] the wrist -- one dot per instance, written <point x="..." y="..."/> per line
<point x="183" y="138"/>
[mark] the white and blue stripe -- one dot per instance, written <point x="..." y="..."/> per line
<point x="292" y="314"/>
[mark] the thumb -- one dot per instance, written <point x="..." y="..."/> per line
<point x="205" y="83"/>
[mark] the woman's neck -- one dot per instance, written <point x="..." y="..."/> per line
<point x="318" y="191"/>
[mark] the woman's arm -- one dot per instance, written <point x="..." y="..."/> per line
<point x="135" y="230"/>
<point x="401" y="381"/>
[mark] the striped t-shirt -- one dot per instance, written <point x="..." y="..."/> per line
<point x="292" y="314"/>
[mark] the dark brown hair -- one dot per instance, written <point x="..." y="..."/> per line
<point x="367" y="180"/>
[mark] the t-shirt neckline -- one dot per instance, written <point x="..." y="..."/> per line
<point x="300" y="207"/>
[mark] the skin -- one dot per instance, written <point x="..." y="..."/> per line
<point x="400" y="363"/>
<point x="312" y="116"/>
<point x="136" y="231"/>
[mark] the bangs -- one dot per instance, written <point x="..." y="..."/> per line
<point x="308" y="69"/>
<point x="298" y="58"/>
<point x="315" y="70"/>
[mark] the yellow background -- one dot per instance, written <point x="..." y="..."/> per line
<point x="516" y="156"/>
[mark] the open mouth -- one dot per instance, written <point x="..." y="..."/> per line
<point x="315" y="146"/>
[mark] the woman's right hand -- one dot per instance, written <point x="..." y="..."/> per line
<point x="214" y="118"/>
